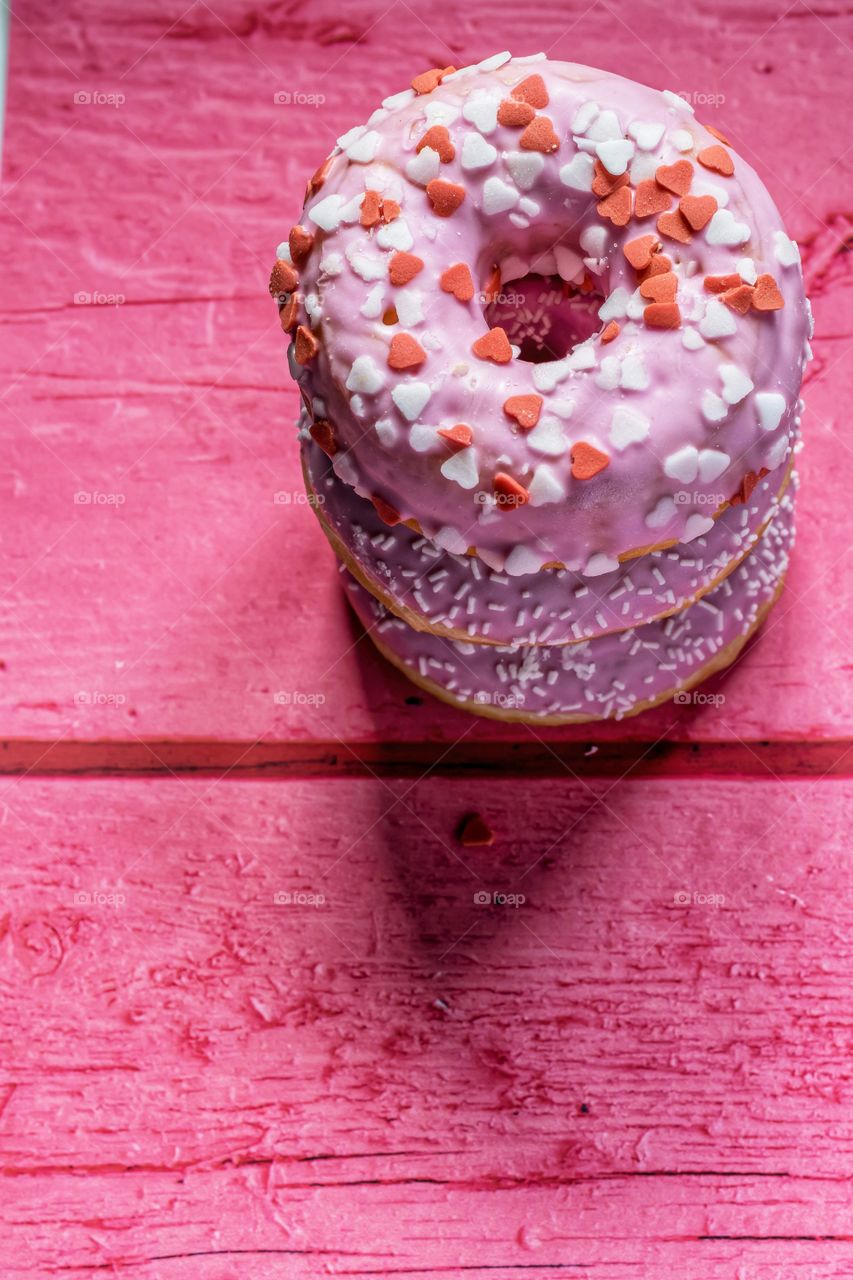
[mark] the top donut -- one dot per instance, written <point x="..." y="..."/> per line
<point x="541" y="312"/>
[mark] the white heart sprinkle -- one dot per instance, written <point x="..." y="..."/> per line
<point x="482" y="112"/>
<point x="712" y="463"/>
<point x="747" y="270"/>
<point x="351" y="135"/>
<point x="326" y="214"/>
<point x="398" y="100"/>
<point x="477" y="153"/>
<point x="615" y="154"/>
<point x="498" y="196"/>
<point x="646" y="133"/>
<point x="713" y="408"/>
<point x="615" y="307"/>
<point x="683" y="464"/>
<point x="777" y="451"/>
<point x="598" y="564"/>
<point x="770" y="406"/>
<point x="661" y="513"/>
<point x="369" y="266"/>
<point x="462" y="468"/>
<point x="718" y="321"/>
<point x="725" y="229"/>
<point x="608" y="375"/>
<point x="736" y="384"/>
<point x="593" y="240"/>
<point x="635" y="376"/>
<point x="691" y="338"/>
<point x="583" y="356"/>
<point x="423" y="167"/>
<point x="438" y="112"/>
<point x="373" y="303"/>
<point x="409" y="304"/>
<point x="386" y="431"/>
<point x="627" y="427"/>
<point x="332" y="265"/>
<point x="578" y="173"/>
<point x="681" y="140"/>
<point x="522" y="560"/>
<point x="423" y="438"/>
<point x="548" y="374"/>
<point x="569" y="264"/>
<point x="605" y="128"/>
<point x="545" y="486"/>
<point x="365" y="376"/>
<point x="395" y="235"/>
<point x="695" y="526"/>
<point x="643" y="167"/>
<point x="584" y="116"/>
<point x="364" y="149"/>
<point x="410" y="398"/>
<point x="547" y="437"/>
<point x="451" y="539"/>
<point x="785" y="251"/>
<point x="525" y="167"/>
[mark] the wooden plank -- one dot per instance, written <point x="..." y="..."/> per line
<point x="181" y="586"/>
<point x="643" y="1066"/>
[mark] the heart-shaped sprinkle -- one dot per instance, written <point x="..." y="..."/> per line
<point x="539" y="136"/>
<point x="493" y="346"/>
<point x="766" y="295"/>
<point x="725" y="229"/>
<point x="371" y="207"/>
<point x="390" y="210"/>
<point x="604" y="182"/>
<point x="698" y="210"/>
<point x="405" y="352"/>
<point x="445" y="197"/>
<point x="283" y="279"/>
<point x="458" y="281"/>
<point x="639" y="252"/>
<point x="458" y="436"/>
<point x="658" y="266"/>
<point x="649" y="199"/>
<point x="438" y="138"/>
<point x="477" y="153"/>
<point x="533" y="91"/>
<point x="515" y="115"/>
<point x="720" y="284"/>
<point x="610" y="331"/>
<point x="660" y="288"/>
<point x="739" y="299"/>
<point x="718" y="159"/>
<point x="403" y="267"/>
<point x="301" y="242"/>
<point x="616" y="207"/>
<point x="674" y="226"/>
<point x="429" y="80"/>
<point x="587" y="461"/>
<point x="509" y="492"/>
<point x="662" y="315"/>
<point x="287" y="314"/>
<point x="322" y="434"/>
<point x="715" y="133"/>
<point x="525" y="410"/>
<point x="675" y="177"/>
<point x="307" y="345"/>
<point x="387" y="513"/>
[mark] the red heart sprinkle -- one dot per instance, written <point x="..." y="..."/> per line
<point x="718" y="159"/>
<point x="439" y="139"/>
<point x="403" y="267"/>
<point x="515" y="115"/>
<point x="405" y="352"/>
<point x="766" y="295"/>
<point x="662" y="315"/>
<point x="639" y="252"/>
<point x="458" y="281"/>
<point x="539" y="136"/>
<point x="494" y="346"/>
<point x="532" y="90"/>
<point x="698" y="210"/>
<point x="458" y="437"/>
<point x="650" y="199"/>
<point x="509" y="492"/>
<point x="675" y="177"/>
<point x="525" y="410"/>
<point x="445" y="197"/>
<point x="674" y="226"/>
<point x="301" y="243"/>
<point x="616" y="207"/>
<point x="307" y="345"/>
<point x="385" y="511"/>
<point x="587" y="461"/>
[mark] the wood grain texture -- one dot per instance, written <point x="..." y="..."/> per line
<point x="642" y="1067"/>
<point x="182" y="596"/>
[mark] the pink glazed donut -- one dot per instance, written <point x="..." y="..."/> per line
<point x="540" y="313"/>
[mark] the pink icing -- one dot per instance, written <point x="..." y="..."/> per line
<point x="604" y="678"/>
<point x="459" y="593"/>
<point x="676" y="413"/>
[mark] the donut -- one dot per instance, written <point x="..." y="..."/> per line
<point x="461" y="598"/>
<point x="611" y="677"/>
<point x="532" y="305"/>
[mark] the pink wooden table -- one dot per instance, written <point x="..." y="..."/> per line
<point x="254" y="1022"/>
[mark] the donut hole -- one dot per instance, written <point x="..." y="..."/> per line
<point x="545" y="316"/>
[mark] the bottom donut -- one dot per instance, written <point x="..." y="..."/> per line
<point x="609" y="677"/>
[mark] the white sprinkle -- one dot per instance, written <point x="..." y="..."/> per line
<point x="683" y="464"/>
<point x="736" y="384"/>
<point x="770" y="406"/>
<point x="386" y="431"/>
<point x="593" y="240"/>
<point x="605" y="128"/>
<point x="398" y="100"/>
<point x="498" y="196"/>
<point x="598" y="564"/>
<point x="615" y="155"/>
<point x="373" y="303"/>
<point x="409" y="307"/>
<point x="423" y="438"/>
<point x="365" y="376"/>
<point x="583" y="356"/>
<point x="584" y="116"/>
<point x="785" y="250"/>
<point x="547" y="437"/>
<point x="724" y="229"/>
<point x="423" y="167"/>
<point x="646" y="133"/>
<point x="695" y="526"/>
<point x="569" y="264"/>
<point x="718" y="321"/>
<point x="643" y="166"/>
<point x="369" y="266"/>
<point x="351" y="135"/>
<point x="661" y="514"/>
<point x="438" y="112"/>
<point x="615" y="307"/>
<point x="410" y="398"/>
<point x="462" y="468"/>
<point x="495" y="61"/>
<point x="522" y="560"/>
<point x="691" y="338"/>
<point x="525" y="167"/>
<point x="675" y="100"/>
<point x="451" y="540"/>
<point x="482" y="112"/>
<point x="395" y="235"/>
<point x="777" y="451"/>
<point x="713" y="408"/>
<point x="712" y="463"/>
<point x="327" y="213"/>
<point x="477" y="153"/>
<point x="682" y="140"/>
<point x="608" y="375"/>
<point x="545" y="486"/>
<point x="635" y="376"/>
<point x="578" y="173"/>
<point x="364" y="149"/>
<point x="747" y="270"/>
<point x="283" y="251"/>
<point x="627" y="427"/>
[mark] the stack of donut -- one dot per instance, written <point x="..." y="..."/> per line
<point x="549" y="334"/>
